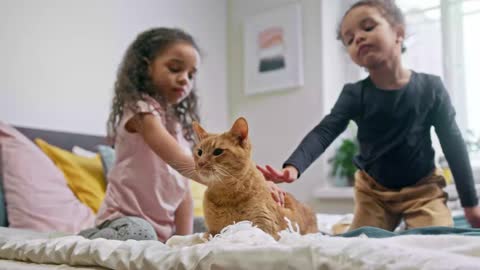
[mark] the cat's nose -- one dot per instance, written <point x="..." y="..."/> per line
<point x="202" y="164"/>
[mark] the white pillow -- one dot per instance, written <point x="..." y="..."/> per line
<point x="77" y="150"/>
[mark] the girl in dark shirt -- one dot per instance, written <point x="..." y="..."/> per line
<point x="394" y="109"/>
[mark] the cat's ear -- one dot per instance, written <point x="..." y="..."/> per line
<point x="240" y="128"/>
<point x="199" y="131"/>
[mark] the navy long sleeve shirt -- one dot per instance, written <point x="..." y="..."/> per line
<point x="394" y="133"/>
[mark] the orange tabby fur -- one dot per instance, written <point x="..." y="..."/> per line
<point x="237" y="190"/>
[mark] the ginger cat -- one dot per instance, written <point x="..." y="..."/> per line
<point x="237" y="190"/>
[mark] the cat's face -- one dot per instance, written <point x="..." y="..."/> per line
<point x="219" y="157"/>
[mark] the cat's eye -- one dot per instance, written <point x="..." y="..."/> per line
<point x="217" y="152"/>
<point x="199" y="152"/>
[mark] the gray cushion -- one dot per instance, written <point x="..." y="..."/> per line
<point x="107" y="155"/>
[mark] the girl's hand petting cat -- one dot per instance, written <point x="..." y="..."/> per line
<point x="277" y="194"/>
<point x="287" y="174"/>
<point x="472" y="214"/>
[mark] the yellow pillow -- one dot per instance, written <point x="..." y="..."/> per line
<point x="84" y="175"/>
<point x="198" y="191"/>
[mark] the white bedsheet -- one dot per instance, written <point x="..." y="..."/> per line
<point x="18" y="234"/>
<point x="242" y="246"/>
<point x="16" y="265"/>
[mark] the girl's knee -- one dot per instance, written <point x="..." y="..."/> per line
<point x="124" y="228"/>
<point x="137" y="229"/>
<point x="88" y="233"/>
<point x="107" y="233"/>
<point x="144" y="234"/>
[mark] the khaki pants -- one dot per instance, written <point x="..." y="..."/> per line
<point x="420" y="205"/>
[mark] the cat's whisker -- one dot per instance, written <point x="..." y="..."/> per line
<point x="182" y="165"/>
<point x="224" y="172"/>
<point x="230" y="170"/>
<point x="189" y="173"/>
<point x="185" y="169"/>
<point x="218" y="177"/>
<point x="228" y="173"/>
<point x="184" y="161"/>
<point x="224" y="169"/>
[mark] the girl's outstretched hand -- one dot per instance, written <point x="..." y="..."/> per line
<point x="472" y="214"/>
<point x="287" y="174"/>
<point x="277" y="194"/>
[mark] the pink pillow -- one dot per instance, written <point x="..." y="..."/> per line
<point x="36" y="192"/>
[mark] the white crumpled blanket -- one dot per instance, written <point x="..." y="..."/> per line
<point x="242" y="246"/>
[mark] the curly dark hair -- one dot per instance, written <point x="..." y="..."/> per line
<point x="133" y="81"/>
<point x="388" y="8"/>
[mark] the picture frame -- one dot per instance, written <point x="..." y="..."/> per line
<point x="273" y="50"/>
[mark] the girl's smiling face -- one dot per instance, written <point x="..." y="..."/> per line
<point x="371" y="40"/>
<point x="173" y="71"/>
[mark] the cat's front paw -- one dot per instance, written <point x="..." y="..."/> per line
<point x="186" y="240"/>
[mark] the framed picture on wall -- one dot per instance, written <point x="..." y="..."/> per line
<point x="273" y="55"/>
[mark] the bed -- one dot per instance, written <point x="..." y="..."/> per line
<point x="240" y="246"/>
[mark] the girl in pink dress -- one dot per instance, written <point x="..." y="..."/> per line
<point x="148" y="195"/>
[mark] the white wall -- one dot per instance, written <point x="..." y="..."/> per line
<point x="279" y="120"/>
<point x="59" y="58"/>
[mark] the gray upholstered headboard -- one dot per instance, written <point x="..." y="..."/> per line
<point x="65" y="140"/>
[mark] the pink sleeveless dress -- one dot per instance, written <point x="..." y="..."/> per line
<point x="141" y="184"/>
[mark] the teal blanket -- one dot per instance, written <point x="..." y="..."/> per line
<point x="461" y="227"/>
<point x="373" y="232"/>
